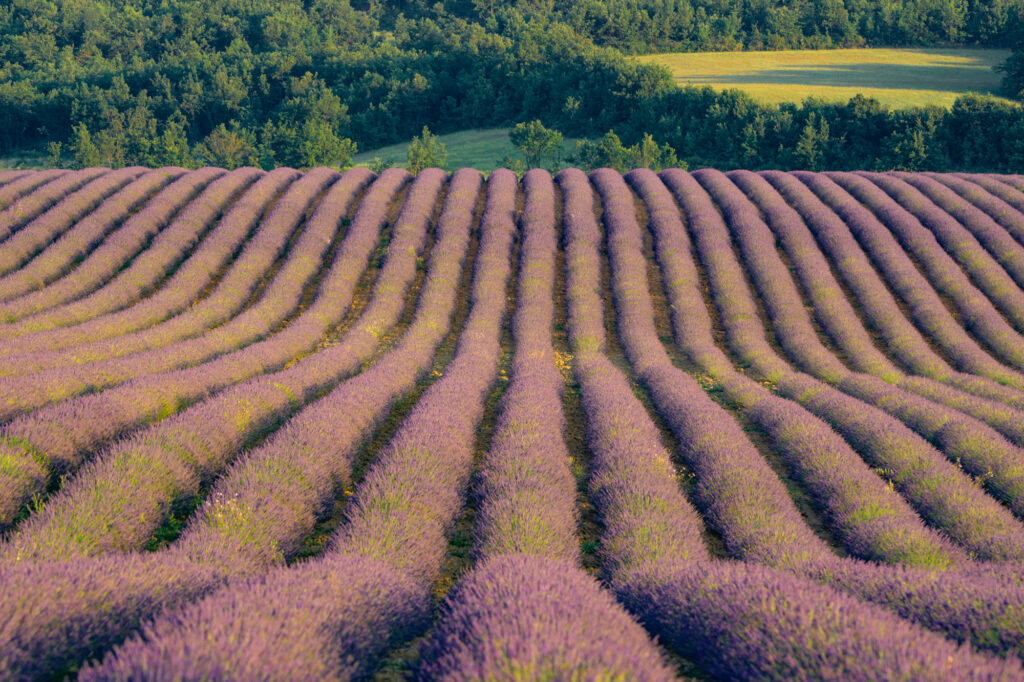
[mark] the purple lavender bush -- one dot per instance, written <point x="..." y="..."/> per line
<point x="526" y="617"/>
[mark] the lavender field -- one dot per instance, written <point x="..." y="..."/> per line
<point x="317" y="425"/>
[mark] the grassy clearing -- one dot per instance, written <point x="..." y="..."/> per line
<point x="896" y="77"/>
<point x="29" y="158"/>
<point x="482" y="149"/>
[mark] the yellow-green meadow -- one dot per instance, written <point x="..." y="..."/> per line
<point x="896" y="77"/>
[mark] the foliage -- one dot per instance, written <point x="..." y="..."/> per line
<point x="1013" y="69"/>
<point x="283" y="82"/>
<point x="609" y="152"/>
<point x="536" y="142"/>
<point x="426" y="151"/>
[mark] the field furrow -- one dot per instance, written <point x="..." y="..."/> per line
<point x="649" y="425"/>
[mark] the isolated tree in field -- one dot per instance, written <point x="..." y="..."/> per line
<point x="426" y="151"/>
<point x="536" y="142"/>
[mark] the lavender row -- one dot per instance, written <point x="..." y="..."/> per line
<point x="277" y="300"/>
<point x="862" y="510"/>
<point x="61" y="218"/>
<point x="739" y="494"/>
<point x="951" y="609"/>
<point x="743" y="621"/>
<point x="996" y="214"/>
<point x="30" y="205"/>
<point x="865" y="233"/>
<point x="322" y="620"/>
<point x="279" y="490"/>
<point x="651" y="589"/>
<point x="982" y="608"/>
<point x="57" y="614"/>
<point x="86" y="231"/>
<point x="528" y="610"/>
<point x="956" y="504"/>
<point x="936" y="488"/>
<point x="978" y="313"/>
<point x="633" y="482"/>
<point x="396" y="525"/>
<point x="842" y="325"/>
<point x="981" y="245"/>
<point x="992" y="185"/>
<point x="24" y="184"/>
<point x="258" y="514"/>
<point x="526" y="490"/>
<point x="9" y="176"/>
<point x="529" y="617"/>
<point x="244" y="411"/>
<point x="103" y="263"/>
<point x="819" y="234"/>
<point x="134" y="299"/>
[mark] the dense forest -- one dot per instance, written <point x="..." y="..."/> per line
<point x="307" y="82"/>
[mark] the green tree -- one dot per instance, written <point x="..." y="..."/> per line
<point x="609" y="152"/>
<point x="649" y="154"/>
<point x="426" y="151"/>
<point x="172" y="147"/>
<point x="319" y="145"/>
<point x="379" y="165"/>
<point x="54" y="149"/>
<point x="536" y="142"/>
<point x="810" y="148"/>
<point x="227" y="148"/>
<point x="85" y="151"/>
<point x="1013" y="71"/>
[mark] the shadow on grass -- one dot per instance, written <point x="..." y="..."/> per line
<point x="954" y="77"/>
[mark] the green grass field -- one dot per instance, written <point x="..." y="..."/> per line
<point x="897" y="77"/>
<point x="28" y="158"/>
<point x="482" y="149"/>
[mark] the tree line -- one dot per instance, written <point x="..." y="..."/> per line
<point x="284" y="82"/>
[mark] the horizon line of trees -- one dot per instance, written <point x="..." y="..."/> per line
<point x="284" y="82"/>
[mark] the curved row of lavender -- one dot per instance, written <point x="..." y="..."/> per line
<point x="263" y="507"/>
<point x="82" y="594"/>
<point x="938" y="602"/>
<point x="63" y="218"/>
<point x="124" y="304"/>
<point x="816" y="239"/>
<point x="978" y="609"/>
<point x="193" y="441"/>
<point x="942" y="274"/>
<point x="97" y="224"/>
<point x="331" y="618"/>
<point x="738" y="621"/>
<point x="21" y="183"/>
<point x="857" y="504"/>
<point x="137" y="224"/>
<point x="981" y="450"/>
<point x="871" y="261"/>
<point x="24" y="207"/>
<point x="302" y="261"/>
<point x="934" y="486"/>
